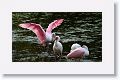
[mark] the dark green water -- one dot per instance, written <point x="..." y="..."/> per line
<point x="84" y="28"/>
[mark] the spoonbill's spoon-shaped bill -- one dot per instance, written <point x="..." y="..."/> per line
<point x="39" y="31"/>
<point x="79" y="52"/>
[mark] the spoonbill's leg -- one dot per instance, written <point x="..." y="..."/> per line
<point x="40" y="55"/>
<point x="48" y="48"/>
<point x="44" y="48"/>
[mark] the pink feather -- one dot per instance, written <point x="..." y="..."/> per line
<point x="37" y="29"/>
<point x="54" y="25"/>
<point x="77" y="53"/>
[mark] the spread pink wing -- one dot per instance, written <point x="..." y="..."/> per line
<point x="77" y="53"/>
<point x="54" y="25"/>
<point x="37" y="29"/>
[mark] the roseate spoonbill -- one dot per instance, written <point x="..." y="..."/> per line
<point x="57" y="47"/>
<point x="79" y="52"/>
<point x="44" y="37"/>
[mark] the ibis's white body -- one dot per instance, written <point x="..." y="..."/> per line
<point x="57" y="48"/>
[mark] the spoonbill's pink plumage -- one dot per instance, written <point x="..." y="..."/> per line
<point x="80" y="52"/>
<point x="77" y="53"/>
<point x="54" y="25"/>
<point x="43" y="36"/>
<point x="37" y="29"/>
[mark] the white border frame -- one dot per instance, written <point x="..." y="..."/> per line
<point x="104" y="67"/>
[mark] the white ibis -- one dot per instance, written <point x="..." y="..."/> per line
<point x="57" y="47"/>
<point x="44" y="37"/>
<point x="79" y="52"/>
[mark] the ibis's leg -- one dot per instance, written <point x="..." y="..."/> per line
<point x="55" y="55"/>
<point x="60" y="56"/>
